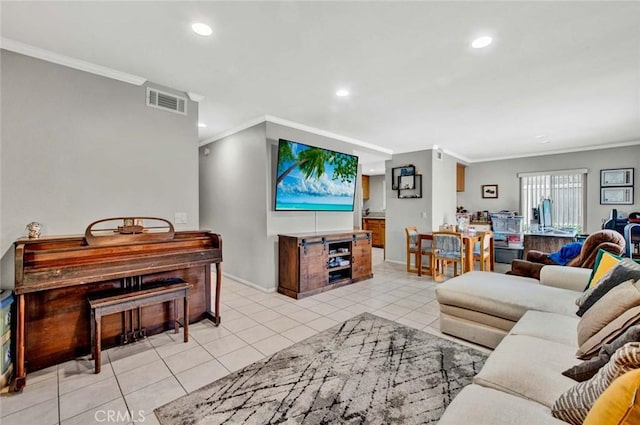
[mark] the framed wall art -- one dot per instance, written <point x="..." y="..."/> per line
<point x="616" y="195"/>
<point x="489" y="191"/>
<point x="616" y="177"/>
<point x="404" y="171"/>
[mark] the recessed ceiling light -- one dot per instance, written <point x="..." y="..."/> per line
<point x="371" y="169"/>
<point x="481" y="42"/>
<point x="342" y="93"/>
<point x="541" y="136"/>
<point x="202" y="125"/>
<point x="202" y="29"/>
<point x="543" y="141"/>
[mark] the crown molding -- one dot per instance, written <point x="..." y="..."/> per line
<point x="49" y="56"/>
<point x="297" y="126"/>
<point x="232" y="131"/>
<point x="561" y="151"/>
<point x="320" y="132"/>
<point x="195" y="96"/>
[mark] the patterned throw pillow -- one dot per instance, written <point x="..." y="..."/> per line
<point x="588" y="368"/>
<point x="574" y="405"/>
<point x="621" y="272"/>
<point x="619" y="404"/>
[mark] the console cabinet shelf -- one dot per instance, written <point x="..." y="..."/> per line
<point x="310" y="263"/>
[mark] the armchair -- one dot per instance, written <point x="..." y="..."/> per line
<point x="608" y="240"/>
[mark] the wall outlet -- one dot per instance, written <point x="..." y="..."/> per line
<point x="424" y="215"/>
<point x="181" y="218"/>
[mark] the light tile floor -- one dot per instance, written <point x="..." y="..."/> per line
<point x="137" y="378"/>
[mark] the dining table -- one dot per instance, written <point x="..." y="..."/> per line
<point x="469" y="239"/>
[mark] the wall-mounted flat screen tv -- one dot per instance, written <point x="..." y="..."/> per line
<point x="314" y="179"/>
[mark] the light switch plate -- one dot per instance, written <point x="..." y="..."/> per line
<point x="181" y="218"/>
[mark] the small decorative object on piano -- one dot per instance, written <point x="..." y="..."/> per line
<point x="34" y="229"/>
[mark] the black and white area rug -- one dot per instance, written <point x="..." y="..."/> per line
<point x="367" y="370"/>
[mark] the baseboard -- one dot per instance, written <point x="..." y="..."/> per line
<point x="248" y="283"/>
<point x="395" y="261"/>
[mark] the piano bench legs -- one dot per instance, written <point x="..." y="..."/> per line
<point x="124" y="301"/>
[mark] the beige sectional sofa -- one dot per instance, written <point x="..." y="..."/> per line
<point x="532" y="325"/>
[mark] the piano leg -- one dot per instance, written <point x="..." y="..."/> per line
<point x="21" y="373"/>
<point x="215" y="317"/>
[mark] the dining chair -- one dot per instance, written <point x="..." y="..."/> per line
<point x="448" y="248"/>
<point x="482" y="251"/>
<point x="412" y="250"/>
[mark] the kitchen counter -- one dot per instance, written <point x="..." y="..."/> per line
<point x="377" y="227"/>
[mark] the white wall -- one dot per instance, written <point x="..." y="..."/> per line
<point x="375" y="203"/>
<point x="77" y="147"/>
<point x="443" y="201"/>
<point x="504" y="174"/>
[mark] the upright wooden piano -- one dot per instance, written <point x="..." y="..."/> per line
<point x="54" y="275"/>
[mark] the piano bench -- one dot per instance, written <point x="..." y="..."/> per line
<point x="117" y="302"/>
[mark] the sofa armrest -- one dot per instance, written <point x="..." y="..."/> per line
<point x="573" y="278"/>
<point x="525" y="268"/>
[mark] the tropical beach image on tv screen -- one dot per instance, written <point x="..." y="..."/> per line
<point x="314" y="179"/>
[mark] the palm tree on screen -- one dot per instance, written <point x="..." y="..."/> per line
<point x="312" y="162"/>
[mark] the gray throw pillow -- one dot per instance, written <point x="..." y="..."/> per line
<point x="587" y="369"/>
<point x="621" y="272"/>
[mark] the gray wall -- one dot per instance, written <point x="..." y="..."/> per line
<point x="77" y="147"/>
<point x="406" y="212"/>
<point x="236" y="200"/>
<point x="504" y="174"/>
<point x="376" y="194"/>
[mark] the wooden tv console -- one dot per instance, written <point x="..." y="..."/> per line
<point x="310" y="263"/>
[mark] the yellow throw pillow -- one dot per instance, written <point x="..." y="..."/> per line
<point x="619" y="404"/>
<point x="607" y="262"/>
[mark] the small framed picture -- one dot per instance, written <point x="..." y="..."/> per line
<point x="397" y="172"/>
<point x="489" y="190"/>
<point x="616" y="177"/>
<point x="616" y="195"/>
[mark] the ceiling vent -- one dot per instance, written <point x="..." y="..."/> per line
<point x="166" y="101"/>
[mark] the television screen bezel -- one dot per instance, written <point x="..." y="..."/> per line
<point x="275" y="188"/>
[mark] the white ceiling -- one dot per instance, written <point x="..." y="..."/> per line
<point x="566" y="70"/>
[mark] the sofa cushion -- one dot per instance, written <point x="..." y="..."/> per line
<point x="619" y="404"/>
<point x="574" y="405"/>
<point x="621" y="272"/>
<point x="588" y="368"/>
<point x="528" y="367"/>
<point x="550" y="326"/>
<point x="608" y="308"/>
<point x="610" y="332"/>
<point x="508" y="297"/>
<point x="485" y="406"/>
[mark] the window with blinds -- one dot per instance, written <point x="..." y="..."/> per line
<point x="566" y="189"/>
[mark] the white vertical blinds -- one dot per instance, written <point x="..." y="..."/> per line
<point x="565" y="190"/>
